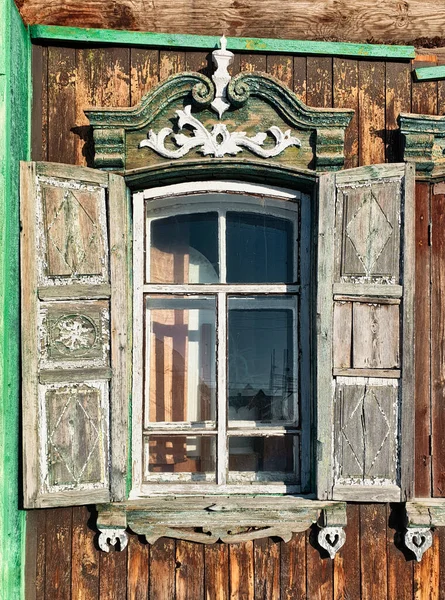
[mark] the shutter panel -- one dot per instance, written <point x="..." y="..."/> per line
<point x="365" y="336"/>
<point x="75" y="377"/>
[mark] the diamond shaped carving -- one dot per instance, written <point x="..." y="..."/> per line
<point x="73" y="232"/>
<point x="369" y="231"/>
<point x="366" y="432"/>
<point x="74" y="440"/>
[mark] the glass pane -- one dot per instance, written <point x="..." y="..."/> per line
<point x="180" y="358"/>
<point x="259" y="248"/>
<point x="262" y="378"/>
<point x="184" y="249"/>
<point x="180" y="454"/>
<point x="272" y="455"/>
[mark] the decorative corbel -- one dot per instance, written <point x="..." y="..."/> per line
<point x="421" y="516"/>
<point x="424" y="143"/>
<point x="332" y="534"/>
<point x="110" y="537"/>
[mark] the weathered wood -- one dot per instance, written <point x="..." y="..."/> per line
<point x="387" y="373"/>
<point x="253" y="62"/>
<point x="342" y="335"/>
<point x="300" y="77"/>
<point x="138" y="569"/>
<point x="216" y="567"/>
<point x="281" y="67"/>
<point x="85" y="558"/>
<point x="375" y="336"/>
<point x="387" y="23"/>
<point x="319" y="570"/>
<point x="440" y="532"/>
<point x="162" y="570"/>
<point x="319" y="82"/>
<point x="170" y="63"/>
<point x="373" y="563"/>
<point x="437" y="345"/>
<point x="267" y="569"/>
<point x="113" y="575"/>
<point x="189" y="571"/>
<point x="293" y="568"/>
<point x="424" y="94"/>
<point x="58" y="553"/>
<point x="345" y="95"/>
<point x="144" y="72"/>
<point x="400" y="570"/>
<point x="398" y="99"/>
<point x="371" y="85"/>
<point x="426" y="574"/>
<point x="241" y="571"/>
<point x="346" y="573"/>
<point x="39" y="110"/>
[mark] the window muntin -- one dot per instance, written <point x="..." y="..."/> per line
<point x="263" y="434"/>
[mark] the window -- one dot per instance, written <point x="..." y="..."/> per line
<point x="221" y="340"/>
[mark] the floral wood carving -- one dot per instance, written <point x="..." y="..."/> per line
<point x="218" y="142"/>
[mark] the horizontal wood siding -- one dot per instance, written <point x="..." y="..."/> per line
<point x="369" y="565"/>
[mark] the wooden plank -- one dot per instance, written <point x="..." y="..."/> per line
<point x="253" y="62"/>
<point x="58" y="554"/>
<point x="144" y="72"/>
<point x="373" y="559"/>
<point x="346" y="573"/>
<point x="429" y="73"/>
<point x="372" y="112"/>
<point x="423" y="94"/>
<point x="35" y="557"/>
<point x="200" y="62"/>
<point x="170" y="63"/>
<point x="345" y="95"/>
<point x="138" y="569"/>
<point x="62" y="141"/>
<point x="440" y="532"/>
<point x="266" y="569"/>
<point x="400" y="569"/>
<point x="440" y="97"/>
<point x="113" y="575"/>
<point x="85" y="558"/>
<point x="216" y="560"/>
<point x="426" y="574"/>
<point x="319" y="82"/>
<point x="103" y="79"/>
<point x="241" y="573"/>
<point x="319" y="570"/>
<point x="386" y="373"/>
<point x="437" y="345"/>
<point x="375" y="336"/>
<point x="300" y="77"/>
<point x="422" y="455"/>
<point x="282" y="67"/>
<point x="342" y="336"/>
<point x="398" y="99"/>
<point x="293" y="568"/>
<point x="162" y="570"/>
<point x="185" y="40"/>
<point x="39" y="109"/>
<point x="189" y="571"/>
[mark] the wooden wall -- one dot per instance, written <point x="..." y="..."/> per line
<point x="65" y="562"/>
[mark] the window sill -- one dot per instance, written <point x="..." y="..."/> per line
<point x="224" y="518"/>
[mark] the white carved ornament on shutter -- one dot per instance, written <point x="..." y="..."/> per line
<point x="365" y="338"/>
<point x="74" y="335"/>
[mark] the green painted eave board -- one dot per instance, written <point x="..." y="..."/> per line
<point x="429" y="73"/>
<point x="209" y="42"/>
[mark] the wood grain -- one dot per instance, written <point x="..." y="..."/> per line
<point x="387" y="22"/>
<point x="346" y="572"/>
<point x="241" y="575"/>
<point x="138" y="569"/>
<point x="162" y="570"/>
<point x="372" y="112"/>
<point x="423" y="352"/>
<point x="189" y="571"/>
<point x="216" y="564"/>
<point x="373" y="564"/>
<point x="39" y="109"/>
<point x="300" y="77"/>
<point x="281" y="67"/>
<point x="345" y="95"/>
<point x="400" y="568"/>
<point x="113" y="575"/>
<point x="426" y="574"/>
<point x="424" y="94"/>
<point x="58" y="554"/>
<point x="267" y="569"/>
<point x="144" y="72"/>
<point x="319" y="81"/>
<point x="319" y="569"/>
<point x="398" y="99"/>
<point x="293" y="568"/>
<point x="85" y="558"/>
<point x="170" y="63"/>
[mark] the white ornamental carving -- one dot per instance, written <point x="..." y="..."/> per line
<point x="221" y="77"/>
<point x="418" y="540"/>
<point x="110" y="537"/>
<point x="331" y="539"/>
<point x="218" y="142"/>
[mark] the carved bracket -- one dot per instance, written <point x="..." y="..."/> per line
<point x="418" y="540"/>
<point x="111" y="537"/>
<point x="422" y="516"/>
<point x="332" y="522"/>
<point x="424" y="137"/>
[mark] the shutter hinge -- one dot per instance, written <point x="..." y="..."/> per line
<point x="430" y="234"/>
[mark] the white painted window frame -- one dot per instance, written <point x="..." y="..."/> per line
<point x="186" y="198"/>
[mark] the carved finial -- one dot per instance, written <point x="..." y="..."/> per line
<point x="221" y="77"/>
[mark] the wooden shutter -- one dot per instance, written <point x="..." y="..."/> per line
<point x="74" y="334"/>
<point x="365" y="338"/>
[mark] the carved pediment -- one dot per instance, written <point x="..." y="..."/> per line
<point x="190" y="117"/>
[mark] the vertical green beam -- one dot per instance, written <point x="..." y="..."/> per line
<point x="15" y="96"/>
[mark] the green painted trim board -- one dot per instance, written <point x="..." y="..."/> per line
<point x="429" y="73"/>
<point x="209" y="42"/>
<point x="15" y="94"/>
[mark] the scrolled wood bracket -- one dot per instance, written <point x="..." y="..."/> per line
<point x="332" y="522"/>
<point x="111" y="537"/>
<point x="418" y="540"/>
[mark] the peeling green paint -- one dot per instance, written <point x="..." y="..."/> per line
<point x="15" y="50"/>
<point x="429" y="73"/>
<point x="209" y="42"/>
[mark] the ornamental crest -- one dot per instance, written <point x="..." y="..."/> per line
<point x="191" y="117"/>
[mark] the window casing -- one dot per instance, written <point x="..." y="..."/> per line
<point x="233" y="427"/>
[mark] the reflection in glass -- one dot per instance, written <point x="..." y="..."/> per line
<point x="184" y="249"/>
<point x="259" y="454"/>
<point x="180" y="454"/>
<point x="259" y="248"/>
<point x="181" y="357"/>
<point x="261" y="378"/>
